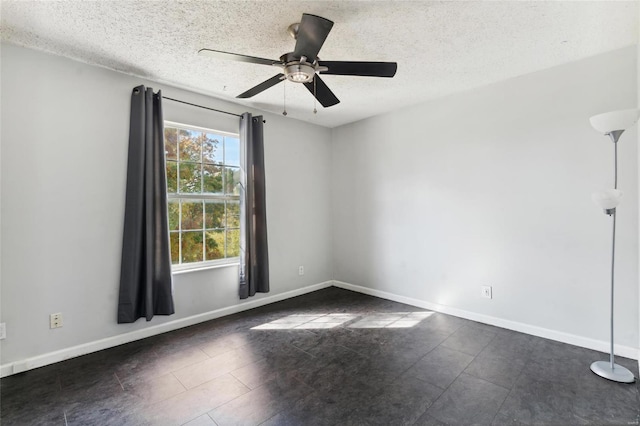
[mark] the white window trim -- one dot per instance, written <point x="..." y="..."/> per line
<point x="182" y="268"/>
<point x="201" y="129"/>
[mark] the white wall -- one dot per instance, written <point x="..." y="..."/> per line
<point x="492" y="187"/>
<point x="64" y="153"/>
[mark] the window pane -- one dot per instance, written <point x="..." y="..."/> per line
<point x="212" y="149"/>
<point x="192" y="247"/>
<point x="214" y="214"/>
<point x="202" y="162"/>
<point x="233" y="214"/>
<point x="233" y="242"/>
<point x="190" y="178"/>
<point x="232" y="151"/>
<point x="172" y="176"/>
<point x="175" y="247"/>
<point x="174" y="215"/>
<point x="171" y="143"/>
<point x="190" y="145"/>
<point x="232" y="180"/>
<point x="212" y="179"/>
<point x="215" y="244"/>
<point x="191" y="214"/>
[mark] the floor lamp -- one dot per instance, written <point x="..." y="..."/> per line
<point x="613" y="124"/>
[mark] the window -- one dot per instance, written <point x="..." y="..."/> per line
<point x="203" y="178"/>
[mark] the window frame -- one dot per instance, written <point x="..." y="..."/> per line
<point x="205" y="264"/>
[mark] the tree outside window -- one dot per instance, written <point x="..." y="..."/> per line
<point x="203" y="177"/>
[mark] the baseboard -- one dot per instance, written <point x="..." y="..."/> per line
<point x="572" y="339"/>
<point x="86" y="348"/>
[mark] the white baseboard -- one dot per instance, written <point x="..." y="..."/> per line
<point x="572" y="339"/>
<point x="86" y="348"/>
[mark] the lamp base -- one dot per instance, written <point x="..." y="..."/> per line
<point x="617" y="374"/>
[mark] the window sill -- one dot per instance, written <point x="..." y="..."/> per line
<point x="185" y="270"/>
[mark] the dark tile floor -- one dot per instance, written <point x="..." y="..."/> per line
<point x="332" y="357"/>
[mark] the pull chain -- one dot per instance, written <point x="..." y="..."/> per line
<point x="284" y="100"/>
<point x="315" y="111"/>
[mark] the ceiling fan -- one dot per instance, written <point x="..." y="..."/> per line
<point x="303" y="64"/>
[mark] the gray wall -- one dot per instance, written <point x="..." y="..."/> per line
<point x="487" y="187"/>
<point x="64" y="155"/>
<point x="492" y="187"/>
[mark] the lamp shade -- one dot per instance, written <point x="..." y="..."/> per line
<point x="607" y="199"/>
<point x="614" y="120"/>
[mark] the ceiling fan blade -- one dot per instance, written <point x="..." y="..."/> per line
<point x="312" y="32"/>
<point x="236" y="57"/>
<point x="323" y="94"/>
<point x="365" y="69"/>
<point x="262" y="86"/>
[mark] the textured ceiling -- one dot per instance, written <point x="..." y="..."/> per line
<point x="440" y="47"/>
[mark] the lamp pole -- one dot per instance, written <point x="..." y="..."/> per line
<point x="611" y="370"/>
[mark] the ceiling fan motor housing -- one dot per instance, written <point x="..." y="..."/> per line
<point x="299" y="72"/>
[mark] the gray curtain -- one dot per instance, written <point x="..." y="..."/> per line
<point x="145" y="276"/>
<point x="254" y="255"/>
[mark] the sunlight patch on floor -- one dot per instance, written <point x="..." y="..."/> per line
<point x="327" y="321"/>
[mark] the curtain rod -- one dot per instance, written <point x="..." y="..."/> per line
<point x="200" y="106"/>
<point x="204" y="107"/>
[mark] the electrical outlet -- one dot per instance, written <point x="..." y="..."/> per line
<point x="300" y="270"/>
<point x="3" y="330"/>
<point x="485" y="291"/>
<point x="55" y="320"/>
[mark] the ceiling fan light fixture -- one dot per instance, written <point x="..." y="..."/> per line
<point x="299" y="73"/>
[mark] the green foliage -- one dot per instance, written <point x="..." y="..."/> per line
<point x="190" y="146"/>
<point x="215" y="244"/>
<point x="212" y="179"/>
<point x="192" y="246"/>
<point x="214" y="214"/>
<point x="192" y="216"/>
<point x="172" y="176"/>
<point x="174" y="215"/>
<point x="174" y="240"/>
<point x="201" y="229"/>
<point x="190" y="178"/>
<point x="233" y="214"/>
<point x="233" y="242"/>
